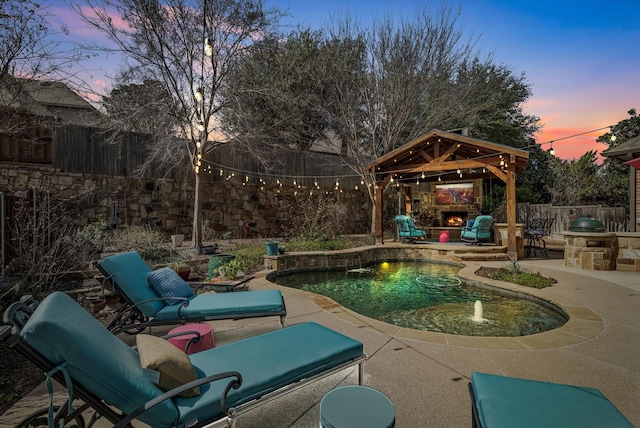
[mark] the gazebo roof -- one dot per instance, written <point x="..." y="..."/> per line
<point x="441" y="154"/>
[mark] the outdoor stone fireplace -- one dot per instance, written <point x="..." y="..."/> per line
<point x="454" y="218"/>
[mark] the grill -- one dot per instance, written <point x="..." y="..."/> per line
<point x="586" y="223"/>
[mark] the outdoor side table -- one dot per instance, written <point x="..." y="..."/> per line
<point x="356" y="406"/>
<point x="181" y="342"/>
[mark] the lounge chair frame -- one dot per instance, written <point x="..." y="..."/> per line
<point x="479" y="232"/>
<point x="407" y="229"/>
<point x="16" y="317"/>
<point x="132" y="320"/>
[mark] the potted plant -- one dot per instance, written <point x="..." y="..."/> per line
<point x="232" y="269"/>
<point x="181" y="268"/>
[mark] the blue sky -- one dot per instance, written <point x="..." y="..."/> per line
<point x="581" y="57"/>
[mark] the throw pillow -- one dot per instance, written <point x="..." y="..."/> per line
<point x="165" y="365"/>
<point x="167" y="283"/>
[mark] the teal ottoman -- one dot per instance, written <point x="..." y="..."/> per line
<point x="500" y="401"/>
<point x="356" y="406"/>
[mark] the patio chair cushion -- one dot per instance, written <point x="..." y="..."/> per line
<point x="129" y="272"/>
<point x="211" y="305"/>
<point x="171" y="364"/>
<point x="287" y="355"/>
<point x="167" y="283"/>
<point x="63" y="332"/>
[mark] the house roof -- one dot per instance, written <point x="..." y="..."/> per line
<point x="48" y="99"/>
<point x="442" y="154"/>
<point x="628" y="150"/>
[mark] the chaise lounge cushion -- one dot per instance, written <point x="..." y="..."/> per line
<point x="286" y="355"/>
<point x="212" y="305"/>
<point x="503" y="402"/>
<point x="129" y="271"/>
<point x="167" y="283"/>
<point x="171" y="364"/>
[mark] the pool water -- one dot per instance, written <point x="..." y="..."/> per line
<point x="426" y="296"/>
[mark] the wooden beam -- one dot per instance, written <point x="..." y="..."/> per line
<point x="378" y="202"/>
<point x="425" y="155"/>
<point x="441" y="159"/>
<point x="498" y="172"/>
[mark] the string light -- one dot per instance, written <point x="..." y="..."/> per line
<point x="551" y="151"/>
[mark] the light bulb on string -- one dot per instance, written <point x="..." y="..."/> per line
<point x="551" y="151"/>
<point x="208" y="49"/>
<point x="198" y="94"/>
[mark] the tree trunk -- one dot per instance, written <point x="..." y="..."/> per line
<point x="196" y="237"/>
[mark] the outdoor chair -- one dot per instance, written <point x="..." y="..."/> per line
<point x="480" y="230"/>
<point x="144" y="307"/>
<point x="407" y="229"/>
<point x="102" y="373"/>
<point x="505" y="402"/>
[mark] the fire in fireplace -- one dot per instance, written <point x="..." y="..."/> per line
<point x="454" y="219"/>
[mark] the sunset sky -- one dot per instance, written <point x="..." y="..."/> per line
<point x="581" y="57"/>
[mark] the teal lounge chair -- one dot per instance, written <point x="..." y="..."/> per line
<point x="101" y="372"/>
<point x="144" y="307"/>
<point x="480" y="230"/>
<point x="407" y="229"/>
<point x="506" y="402"/>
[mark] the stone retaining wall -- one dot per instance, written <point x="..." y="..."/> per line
<point x="357" y="257"/>
<point x="168" y="205"/>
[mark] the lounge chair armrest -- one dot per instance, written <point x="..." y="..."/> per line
<point x="184" y="303"/>
<point x="233" y="384"/>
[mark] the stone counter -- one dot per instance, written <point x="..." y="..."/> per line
<point x="590" y="250"/>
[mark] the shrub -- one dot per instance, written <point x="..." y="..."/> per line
<point x="516" y="274"/>
<point x="48" y="245"/>
<point x="317" y="217"/>
<point x="151" y="244"/>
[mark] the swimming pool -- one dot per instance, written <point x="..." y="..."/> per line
<point x="427" y="296"/>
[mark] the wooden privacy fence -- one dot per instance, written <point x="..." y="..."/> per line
<point x="615" y="219"/>
<point x="86" y="151"/>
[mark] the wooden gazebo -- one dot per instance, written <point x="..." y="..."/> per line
<point x="447" y="155"/>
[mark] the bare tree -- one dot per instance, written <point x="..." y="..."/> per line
<point x="188" y="46"/>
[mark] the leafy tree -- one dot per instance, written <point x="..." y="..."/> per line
<point x="190" y="47"/>
<point x="572" y="178"/>
<point x="534" y="186"/>
<point x="376" y="89"/>
<point x="611" y="186"/>
<point x="277" y="93"/>
<point x="146" y="108"/>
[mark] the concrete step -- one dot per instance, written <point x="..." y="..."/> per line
<point x="481" y="249"/>
<point x="483" y="257"/>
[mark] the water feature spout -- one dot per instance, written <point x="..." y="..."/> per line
<point x="477" y="312"/>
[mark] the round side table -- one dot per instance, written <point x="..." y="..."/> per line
<point x="356" y="406"/>
<point x="181" y="342"/>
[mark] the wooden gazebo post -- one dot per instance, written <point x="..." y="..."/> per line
<point x="512" y="242"/>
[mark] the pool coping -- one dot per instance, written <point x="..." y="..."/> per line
<point x="583" y="324"/>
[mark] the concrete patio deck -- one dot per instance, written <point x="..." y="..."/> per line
<point x="426" y="374"/>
